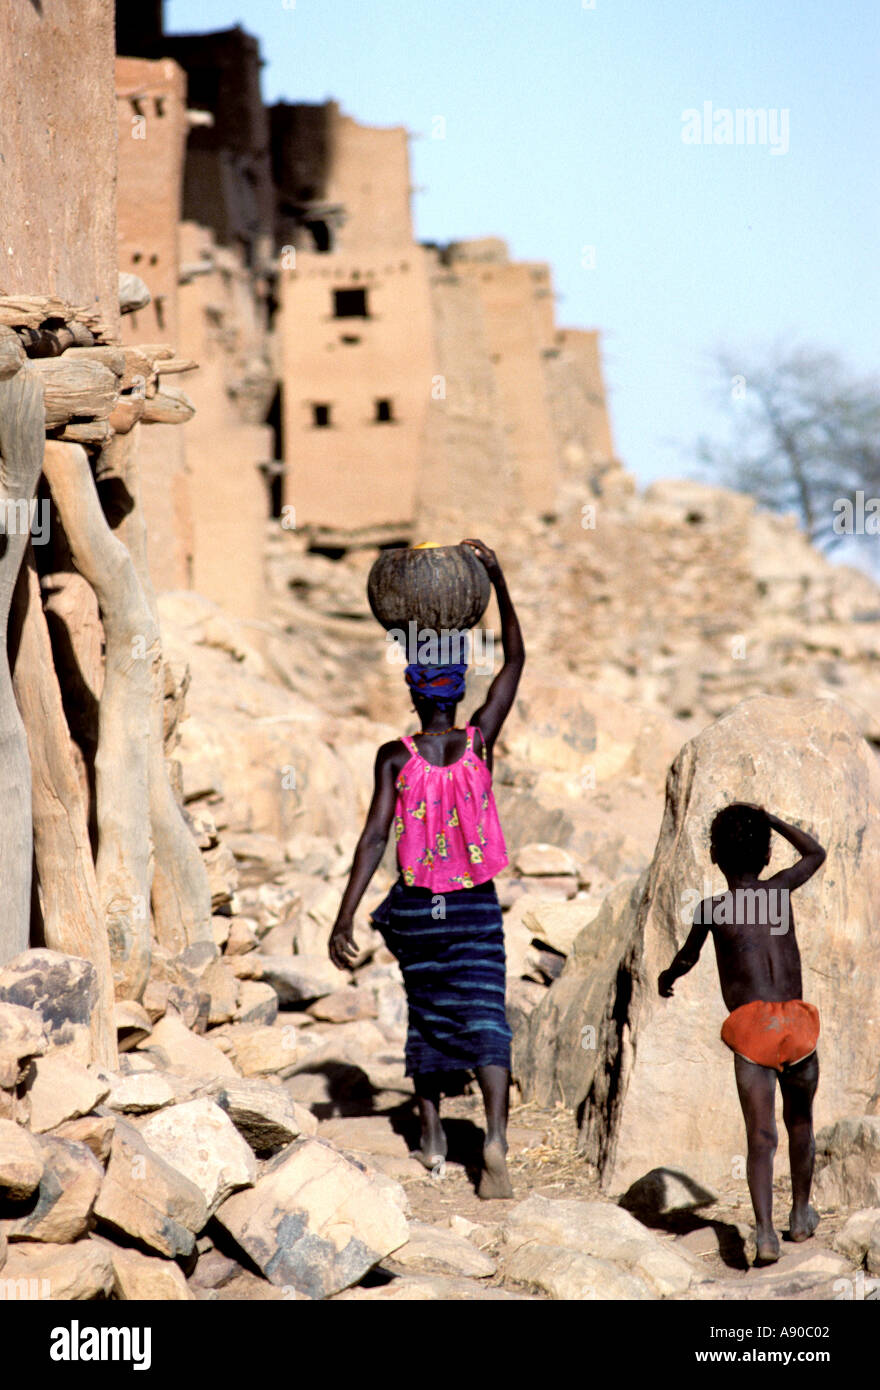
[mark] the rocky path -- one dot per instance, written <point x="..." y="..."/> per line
<point x="717" y="1239"/>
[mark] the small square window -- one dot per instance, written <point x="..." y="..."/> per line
<point x="384" y="412"/>
<point x="320" y="416"/>
<point x="350" y="304"/>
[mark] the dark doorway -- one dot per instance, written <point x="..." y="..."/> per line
<point x="275" y="421"/>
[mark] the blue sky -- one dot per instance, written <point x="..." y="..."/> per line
<point x="564" y="131"/>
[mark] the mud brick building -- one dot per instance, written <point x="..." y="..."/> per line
<point x="352" y="381"/>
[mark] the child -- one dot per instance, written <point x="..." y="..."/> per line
<point x="442" y="919"/>
<point x="770" y="1029"/>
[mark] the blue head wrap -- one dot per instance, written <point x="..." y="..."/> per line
<point x="446" y="684"/>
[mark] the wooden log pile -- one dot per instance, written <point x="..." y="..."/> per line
<point x="96" y="856"/>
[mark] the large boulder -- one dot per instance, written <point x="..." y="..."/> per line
<point x="69" y="1184"/>
<point x="267" y="1117"/>
<point x="431" y="1250"/>
<point x="558" y="924"/>
<point x="22" y="1036"/>
<point x="147" y="1199"/>
<point x="62" y="989"/>
<point x="676" y="1102"/>
<point x="60" y="1273"/>
<point x="315" y="1221"/>
<point x="21" y="1162"/>
<point x="61" y="1088"/>
<point x="184" y="1052"/>
<point x="200" y="1141"/>
<point x="859" y="1236"/>
<point x="602" y="1233"/>
<point x="568" y="1047"/>
<point x="138" y="1278"/>
<point x="848" y="1162"/>
<point x="300" y="979"/>
<point x="264" y="750"/>
<point x="566" y="727"/>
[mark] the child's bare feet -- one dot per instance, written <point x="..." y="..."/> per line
<point x="494" y="1179"/>
<point x="768" y="1246"/>
<point x="802" y="1224"/>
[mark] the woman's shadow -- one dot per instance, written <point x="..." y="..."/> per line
<point x="464" y="1138"/>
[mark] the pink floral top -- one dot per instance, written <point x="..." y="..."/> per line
<point x="446" y="822"/>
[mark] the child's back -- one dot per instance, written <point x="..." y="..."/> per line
<point x="756" y="947"/>
<point x="770" y="1029"/>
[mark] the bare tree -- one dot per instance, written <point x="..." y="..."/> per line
<point x="805" y="437"/>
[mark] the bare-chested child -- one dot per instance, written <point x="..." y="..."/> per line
<point x="770" y="1029"/>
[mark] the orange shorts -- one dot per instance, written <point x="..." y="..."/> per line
<point x="772" y="1034"/>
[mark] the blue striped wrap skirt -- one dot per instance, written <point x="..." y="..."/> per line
<point x="450" y="947"/>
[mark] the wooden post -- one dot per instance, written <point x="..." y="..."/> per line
<point x="123" y="865"/>
<point x="181" y="891"/>
<point x="22" y="432"/>
<point x="72" y="917"/>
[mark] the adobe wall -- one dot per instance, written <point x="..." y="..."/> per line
<point x="357" y="473"/>
<point x="222" y="326"/>
<point x="466" y="468"/>
<point x="491" y="439"/>
<point x="152" y="125"/>
<point x="517" y="332"/>
<point x="524" y="405"/>
<point x="228" y="184"/>
<point x="578" y="401"/>
<point x="370" y="176"/>
<point x="57" y="135"/>
<point x="204" y="499"/>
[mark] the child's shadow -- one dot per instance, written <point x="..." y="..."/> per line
<point x="731" y="1246"/>
<point x="641" y="1201"/>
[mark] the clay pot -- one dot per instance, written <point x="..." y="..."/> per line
<point x="441" y="588"/>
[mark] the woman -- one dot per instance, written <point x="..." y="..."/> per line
<point x="442" y="919"/>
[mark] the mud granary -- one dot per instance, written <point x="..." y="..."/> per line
<point x="350" y="382"/>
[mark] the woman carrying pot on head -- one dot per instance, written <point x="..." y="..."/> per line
<point x="442" y="919"/>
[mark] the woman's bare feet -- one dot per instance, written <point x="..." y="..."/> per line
<point x="494" y="1179"/>
<point x="768" y="1246"/>
<point x="802" y="1224"/>
<point x="432" y="1150"/>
